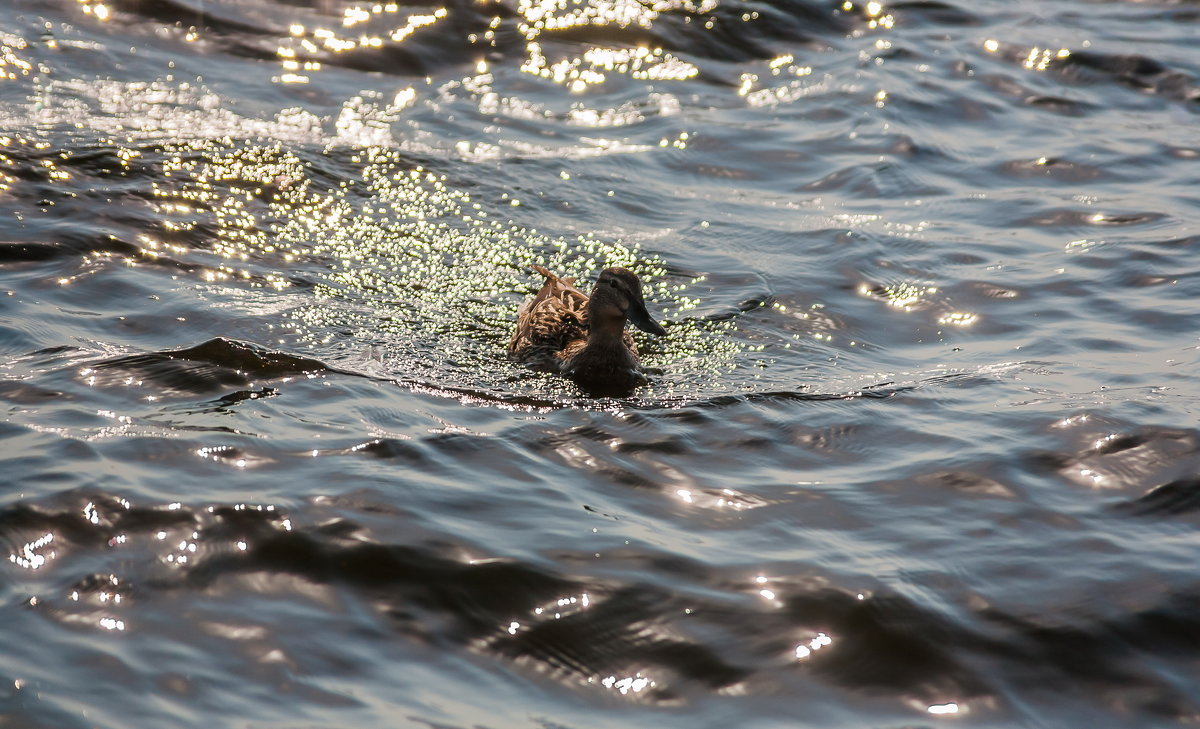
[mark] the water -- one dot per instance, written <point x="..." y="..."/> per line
<point x="920" y="448"/>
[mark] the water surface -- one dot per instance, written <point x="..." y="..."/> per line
<point x="919" y="449"/>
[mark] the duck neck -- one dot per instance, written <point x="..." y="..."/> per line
<point x="605" y="349"/>
<point x="606" y="331"/>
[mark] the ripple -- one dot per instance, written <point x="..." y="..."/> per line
<point x="213" y="365"/>
<point x="920" y="446"/>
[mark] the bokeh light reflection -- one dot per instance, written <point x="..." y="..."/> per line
<point x="12" y="66"/>
<point x="306" y="50"/>
<point x="812" y="645"/>
<point x="400" y="257"/>
<point x="628" y="684"/>
<point x="28" y="556"/>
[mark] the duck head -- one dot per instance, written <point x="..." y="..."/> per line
<point x="616" y="298"/>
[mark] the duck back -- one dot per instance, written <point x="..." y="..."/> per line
<point x="548" y="323"/>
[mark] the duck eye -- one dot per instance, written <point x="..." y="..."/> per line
<point x="612" y="282"/>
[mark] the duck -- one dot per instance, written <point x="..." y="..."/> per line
<point x="561" y="329"/>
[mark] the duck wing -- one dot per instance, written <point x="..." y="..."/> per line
<point x="548" y="322"/>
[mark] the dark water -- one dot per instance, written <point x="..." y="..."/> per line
<point x="920" y="449"/>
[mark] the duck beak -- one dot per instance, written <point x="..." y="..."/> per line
<point x="640" y="318"/>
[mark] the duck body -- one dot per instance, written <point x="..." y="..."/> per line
<point x="562" y="329"/>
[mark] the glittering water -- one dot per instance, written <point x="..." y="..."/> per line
<point x="920" y="447"/>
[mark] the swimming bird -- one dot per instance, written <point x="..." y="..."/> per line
<point x="564" y="330"/>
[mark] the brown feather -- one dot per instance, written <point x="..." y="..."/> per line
<point x="547" y="323"/>
<point x="552" y="332"/>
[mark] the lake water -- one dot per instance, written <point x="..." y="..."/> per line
<point x="919" y="450"/>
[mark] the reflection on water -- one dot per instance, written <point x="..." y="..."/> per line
<point x="919" y="446"/>
<point x="395" y="259"/>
